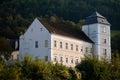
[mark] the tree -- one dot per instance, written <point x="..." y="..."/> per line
<point x="93" y="69"/>
<point x="5" y="49"/>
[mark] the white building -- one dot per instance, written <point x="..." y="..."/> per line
<point x="63" y="44"/>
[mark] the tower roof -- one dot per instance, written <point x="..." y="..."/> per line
<point x="96" y="18"/>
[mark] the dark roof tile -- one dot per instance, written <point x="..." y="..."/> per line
<point x="62" y="29"/>
<point x="96" y="18"/>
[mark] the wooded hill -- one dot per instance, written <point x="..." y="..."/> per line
<point x="17" y="15"/>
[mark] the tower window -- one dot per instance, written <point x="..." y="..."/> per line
<point x="55" y="44"/>
<point x="105" y="51"/>
<point x="105" y="41"/>
<point x="104" y="29"/>
<point x="36" y="44"/>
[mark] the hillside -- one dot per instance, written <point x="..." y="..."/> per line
<point x="17" y="15"/>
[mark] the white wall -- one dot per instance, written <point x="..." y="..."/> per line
<point x="34" y="33"/>
<point x="68" y="53"/>
<point x="96" y="34"/>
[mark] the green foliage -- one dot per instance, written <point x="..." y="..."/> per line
<point x="35" y="69"/>
<point x="18" y="14"/>
<point x="93" y="69"/>
<point x="115" y="41"/>
<point x="5" y="49"/>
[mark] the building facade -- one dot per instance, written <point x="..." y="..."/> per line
<point x="63" y="44"/>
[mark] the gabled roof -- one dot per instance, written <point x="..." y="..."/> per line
<point x="96" y="18"/>
<point x="62" y="29"/>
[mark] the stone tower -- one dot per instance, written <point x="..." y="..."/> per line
<point x="97" y="28"/>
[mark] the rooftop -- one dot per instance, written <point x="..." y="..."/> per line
<point x="62" y="29"/>
<point x="96" y="18"/>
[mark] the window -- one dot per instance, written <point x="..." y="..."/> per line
<point x="72" y="60"/>
<point x="60" y="44"/>
<point x="36" y="44"/>
<point x="81" y="49"/>
<point x="76" y="47"/>
<point x="104" y="41"/>
<point x="46" y="43"/>
<point x="55" y="44"/>
<point x="41" y="29"/>
<point x="105" y="51"/>
<point x="71" y="46"/>
<point x="61" y="59"/>
<point x="55" y="58"/>
<point x="76" y="61"/>
<point x="66" y="60"/>
<point x="66" y="45"/>
<point x="46" y="58"/>
<point x="104" y="29"/>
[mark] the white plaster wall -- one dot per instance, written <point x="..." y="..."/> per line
<point x="96" y="34"/>
<point x="105" y="35"/>
<point x="63" y="52"/>
<point x="34" y="33"/>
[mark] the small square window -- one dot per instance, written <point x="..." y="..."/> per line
<point x="41" y="29"/>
